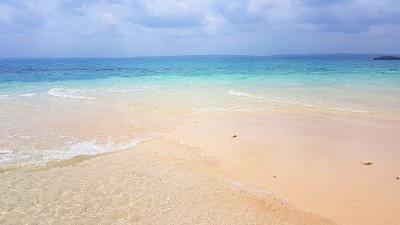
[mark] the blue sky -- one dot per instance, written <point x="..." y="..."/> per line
<point x="30" y="28"/>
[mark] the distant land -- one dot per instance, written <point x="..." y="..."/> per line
<point x="387" y="58"/>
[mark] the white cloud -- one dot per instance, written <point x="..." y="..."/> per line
<point x="5" y="14"/>
<point x="192" y="26"/>
<point x="214" y="24"/>
<point x="167" y="8"/>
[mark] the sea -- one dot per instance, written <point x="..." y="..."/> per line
<point x="61" y="108"/>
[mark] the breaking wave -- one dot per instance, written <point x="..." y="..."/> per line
<point x="68" y="93"/>
<point x="210" y="109"/>
<point x="295" y="101"/>
<point x="87" y="94"/>
<point x="217" y="109"/>
<point x="4" y="96"/>
<point x="28" y="95"/>
<point x="245" y="95"/>
<point x="70" y="150"/>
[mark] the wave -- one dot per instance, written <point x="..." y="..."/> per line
<point x="138" y="140"/>
<point x="228" y="109"/>
<point x="349" y="109"/>
<point x="69" y="93"/>
<point x="85" y="94"/>
<point x="134" y="88"/>
<point x="28" y="95"/>
<point x="4" y="96"/>
<point x="5" y="156"/>
<point x="70" y="150"/>
<point x="209" y="109"/>
<point x="297" y="102"/>
<point x="244" y="94"/>
<point x="14" y="97"/>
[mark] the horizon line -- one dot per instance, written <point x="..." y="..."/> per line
<point x="200" y="55"/>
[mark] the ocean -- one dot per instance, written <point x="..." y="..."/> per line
<point x="59" y="108"/>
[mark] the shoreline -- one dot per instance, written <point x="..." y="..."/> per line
<point x="319" y="170"/>
<point x="144" y="185"/>
<point x="313" y="162"/>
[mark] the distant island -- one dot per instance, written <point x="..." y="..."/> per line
<point x="387" y="58"/>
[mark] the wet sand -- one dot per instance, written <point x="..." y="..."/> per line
<point x="311" y="161"/>
<point x="280" y="168"/>
<point x="159" y="182"/>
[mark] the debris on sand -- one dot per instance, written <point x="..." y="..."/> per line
<point x="367" y="163"/>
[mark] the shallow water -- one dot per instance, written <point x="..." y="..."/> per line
<point x="59" y="108"/>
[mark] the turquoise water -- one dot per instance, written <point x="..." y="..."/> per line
<point x="55" y="109"/>
<point x="349" y="83"/>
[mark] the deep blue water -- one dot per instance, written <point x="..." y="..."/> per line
<point x="324" y="67"/>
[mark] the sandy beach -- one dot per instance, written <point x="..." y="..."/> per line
<point x="314" y="162"/>
<point x="162" y="182"/>
<point x="219" y="168"/>
<point x="200" y="112"/>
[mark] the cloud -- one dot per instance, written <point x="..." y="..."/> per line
<point x="351" y="16"/>
<point x="20" y="17"/>
<point x="167" y="14"/>
<point x="132" y="27"/>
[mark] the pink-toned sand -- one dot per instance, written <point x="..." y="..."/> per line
<point x="311" y="161"/>
<point x="280" y="168"/>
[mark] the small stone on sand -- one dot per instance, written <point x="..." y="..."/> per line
<point x="367" y="163"/>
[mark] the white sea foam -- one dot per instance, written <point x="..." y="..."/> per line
<point x="351" y="110"/>
<point x="87" y="94"/>
<point x="249" y="109"/>
<point x="2" y="96"/>
<point x="71" y="150"/>
<point x="209" y="109"/>
<point x="69" y="93"/>
<point x="245" y="95"/>
<point x="28" y="95"/>
<point x="138" y="140"/>
<point x="5" y="156"/>
<point x="293" y="100"/>
<point x="123" y="90"/>
<point x="228" y="109"/>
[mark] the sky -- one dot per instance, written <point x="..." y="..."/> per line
<point x="123" y="28"/>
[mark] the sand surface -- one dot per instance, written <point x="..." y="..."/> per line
<point x="280" y="168"/>
<point x="160" y="182"/>
<point x="311" y="161"/>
